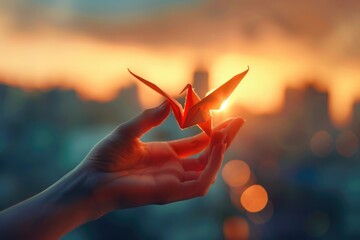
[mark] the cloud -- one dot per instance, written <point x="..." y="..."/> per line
<point x="328" y="24"/>
<point x="215" y="23"/>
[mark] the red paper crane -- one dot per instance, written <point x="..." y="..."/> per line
<point x="197" y="111"/>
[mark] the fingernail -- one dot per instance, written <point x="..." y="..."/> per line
<point x="239" y="121"/>
<point x="235" y="125"/>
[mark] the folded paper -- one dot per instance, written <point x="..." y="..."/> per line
<point x="197" y="111"/>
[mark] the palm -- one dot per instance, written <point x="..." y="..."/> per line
<point x="154" y="176"/>
<point x="150" y="168"/>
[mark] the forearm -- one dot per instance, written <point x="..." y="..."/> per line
<point x="52" y="213"/>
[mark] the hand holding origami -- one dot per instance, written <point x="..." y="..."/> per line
<point x="132" y="173"/>
<point x="122" y="172"/>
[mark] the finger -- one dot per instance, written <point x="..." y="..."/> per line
<point x="225" y="133"/>
<point x="192" y="164"/>
<point x="216" y="138"/>
<point x="197" y="164"/>
<point x="213" y="166"/>
<point x="223" y="124"/>
<point x="199" y="187"/>
<point x="226" y="130"/>
<point x="232" y="129"/>
<point x="189" y="146"/>
<point x="145" y="121"/>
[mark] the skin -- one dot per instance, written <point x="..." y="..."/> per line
<point x="122" y="172"/>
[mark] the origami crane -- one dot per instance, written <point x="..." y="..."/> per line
<point x="197" y="111"/>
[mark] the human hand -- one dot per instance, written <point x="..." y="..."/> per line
<point x="121" y="172"/>
<point x="124" y="172"/>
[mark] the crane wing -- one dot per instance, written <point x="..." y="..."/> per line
<point x="175" y="105"/>
<point x="214" y="100"/>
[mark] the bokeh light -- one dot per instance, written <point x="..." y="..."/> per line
<point x="347" y="143"/>
<point x="321" y="143"/>
<point x="254" y="198"/>
<point x="236" y="173"/>
<point x="236" y="228"/>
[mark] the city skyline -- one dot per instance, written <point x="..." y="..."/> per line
<point x="203" y="74"/>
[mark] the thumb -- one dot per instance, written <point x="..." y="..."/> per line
<point x="145" y="121"/>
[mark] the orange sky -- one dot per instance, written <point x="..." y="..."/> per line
<point x="97" y="68"/>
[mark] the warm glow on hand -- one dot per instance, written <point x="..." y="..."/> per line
<point x="129" y="173"/>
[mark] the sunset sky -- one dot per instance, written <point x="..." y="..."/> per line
<point x="88" y="45"/>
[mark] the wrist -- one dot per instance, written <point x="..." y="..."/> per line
<point x="90" y="189"/>
<point x="67" y="203"/>
<point x="75" y="194"/>
<point x="52" y="213"/>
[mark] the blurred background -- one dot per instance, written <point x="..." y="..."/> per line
<point x="293" y="172"/>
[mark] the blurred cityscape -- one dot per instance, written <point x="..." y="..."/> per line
<point x="299" y="172"/>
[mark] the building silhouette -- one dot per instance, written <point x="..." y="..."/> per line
<point x="317" y="108"/>
<point x="127" y="102"/>
<point x="201" y="82"/>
